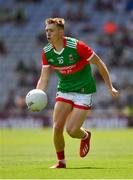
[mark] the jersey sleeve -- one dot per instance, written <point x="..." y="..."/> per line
<point x="44" y="60"/>
<point x="84" y="50"/>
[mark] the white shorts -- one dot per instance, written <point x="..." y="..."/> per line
<point x="77" y="100"/>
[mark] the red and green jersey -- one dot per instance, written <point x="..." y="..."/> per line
<point x="71" y="65"/>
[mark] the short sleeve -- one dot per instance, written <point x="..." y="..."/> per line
<point x="84" y="50"/>
<point x="44" y="60"/>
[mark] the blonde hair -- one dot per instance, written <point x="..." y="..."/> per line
<point x="60" y="22"/>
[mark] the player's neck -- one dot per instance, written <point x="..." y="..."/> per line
<point x="59" y="45"/>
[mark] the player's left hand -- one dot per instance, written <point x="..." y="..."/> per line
<point x="114" y="93"/>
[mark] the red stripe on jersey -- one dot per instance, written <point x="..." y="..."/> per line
<point x="81" y="107"/>
<point x="44" y="60"/>
<point x="72" y="68"/>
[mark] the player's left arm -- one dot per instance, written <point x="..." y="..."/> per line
<point x="105" y="74"/>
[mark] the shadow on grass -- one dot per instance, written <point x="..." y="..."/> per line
<point x="86" y="168"/>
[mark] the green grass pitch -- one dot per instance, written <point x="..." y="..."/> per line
<point x="28" y="154"/>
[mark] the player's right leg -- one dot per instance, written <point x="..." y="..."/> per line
<point x="61" y="112"/>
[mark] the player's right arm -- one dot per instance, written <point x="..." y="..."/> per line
<point x="43" y="80"/>
<point x="45" y="73"/>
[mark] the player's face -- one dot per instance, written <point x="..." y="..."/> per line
<point x="53" y="33"/>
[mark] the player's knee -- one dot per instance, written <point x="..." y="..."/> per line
<point x="57" y="128"/>
<point x="71" y="131"/>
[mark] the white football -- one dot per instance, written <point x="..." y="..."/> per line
<point x="36" y="100"/>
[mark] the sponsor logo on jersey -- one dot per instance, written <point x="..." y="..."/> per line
<point x="64" y="67"/>
<point x="72" y="68"/>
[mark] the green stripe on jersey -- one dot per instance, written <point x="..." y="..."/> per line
<point x="48" y="47"/>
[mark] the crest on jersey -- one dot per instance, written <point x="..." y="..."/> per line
<point x="71" y="59"/>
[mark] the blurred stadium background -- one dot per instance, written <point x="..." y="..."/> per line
<point x="107" y="26"/>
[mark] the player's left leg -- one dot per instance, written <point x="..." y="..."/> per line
<point x="75" y="130"/>
<point x="74" y="123"/>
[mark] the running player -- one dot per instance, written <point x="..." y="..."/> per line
<point x="71" y="59"/>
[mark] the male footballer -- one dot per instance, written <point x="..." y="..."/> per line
<point x="71" y="59"/>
